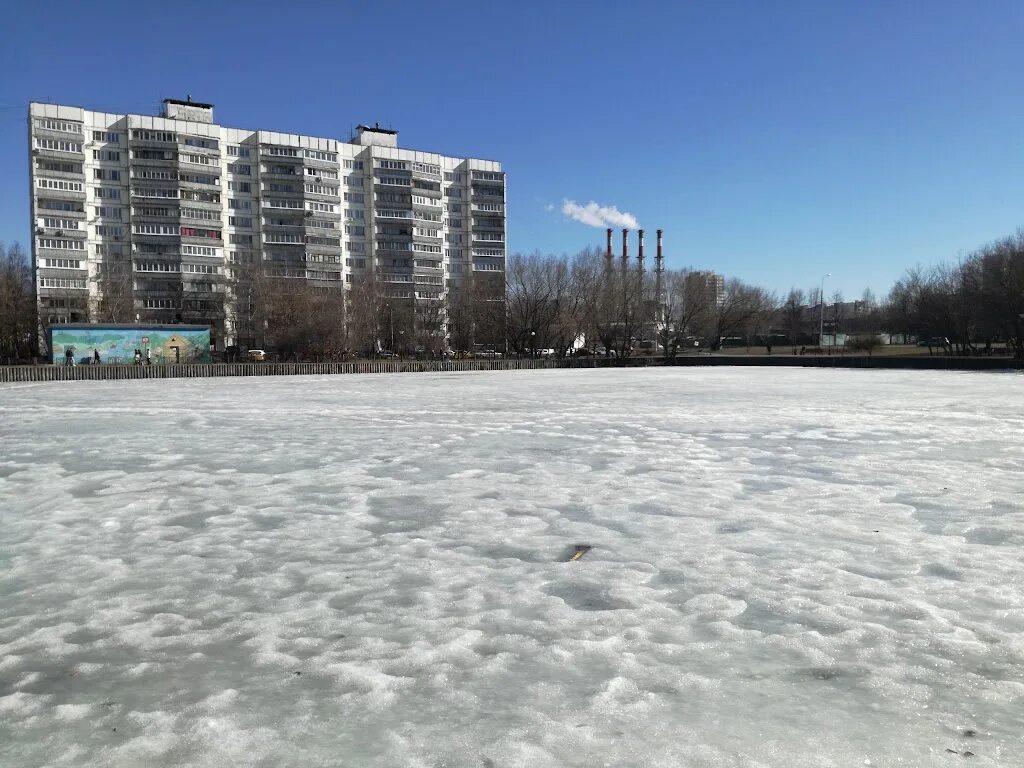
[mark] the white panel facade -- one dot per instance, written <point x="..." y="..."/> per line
<point x="144" y="218"/>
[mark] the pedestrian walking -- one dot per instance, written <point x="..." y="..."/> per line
<point x="149" y="356"/>
<point x="95" y="356"/>
<point x="69" y="356"/>
<point x="768" y="346"/>
<point x="138" y="357"/>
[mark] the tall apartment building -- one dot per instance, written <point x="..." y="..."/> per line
<point x="707" y="284"/>
<point x="141" y="218"/>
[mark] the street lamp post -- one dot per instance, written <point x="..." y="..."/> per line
<point x="821" y="298"/>
<point x="533" y="345"/>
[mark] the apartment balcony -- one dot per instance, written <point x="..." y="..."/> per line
<point x="79" y="216"/>
<point x="191" y="167"/>
<point x="60" y="194"/>
<point x="433" y="194"/>
<point x="66" y="233"/>
<point x="207" y="151"/>
<point x="49" y="133"/>
<point x="428" y="176"/>
<point x="77" y="274"/>
<point x="490" y="195"/>
<point x="333" y="195"/>
<point x="167" y="146"/>
<point x="68" y="175"/>
<point x="295" y="194"/>
<point x="296" y="227"/>
<point x="268" y="242"/>
<point x="55" y="154"/>
<point x="488" y="209"/>
<point x="295" y="174"/>
<point x="168" y="163"/>
<point x="270" y="158"/>
<point x="312" y="162"/>
<point x="324" y="248"/>
<point x="199" y="186"/>
<point x="214" y="242"/>
<point x="201" y="205"/>
<point x="498" y="226"/>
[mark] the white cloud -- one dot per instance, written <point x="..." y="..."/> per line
<point x="596" y="215"/>
<point x="549" y="207"/>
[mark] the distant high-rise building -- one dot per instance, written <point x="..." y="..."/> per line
<point x="709" y="284"/>
<point x="140" y="218"/>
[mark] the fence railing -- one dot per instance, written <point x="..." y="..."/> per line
<point x="15" y="373"/>
<point x="28" y="373"/>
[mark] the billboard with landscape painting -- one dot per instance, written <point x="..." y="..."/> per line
<point x="117" y="343"/>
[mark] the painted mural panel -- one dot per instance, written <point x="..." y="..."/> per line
<point x="117" y="344"/>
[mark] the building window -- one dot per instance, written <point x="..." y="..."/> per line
<point x="59" y="145"/>
<point x="154" y="229"/>
<point x="60" y="223"/>
<point x="200" y="213"/>
<point x="61" y="263"/>
<point x="213" y="234"/>
<point x="58" y="125"/>
<point x="61" y="245"/>
<point x="61" y="282"/>
<point x="143" y="135"/>
<point x="313" y="154"/>
<point x="64" y="186"/>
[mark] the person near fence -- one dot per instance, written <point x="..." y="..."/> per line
<point x="95" y="356"/>
<point x="69" y="356"/>
<point x="138" y="357"/>
<point x="149" y="356"/>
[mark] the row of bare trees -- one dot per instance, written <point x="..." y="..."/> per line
<point x="558" y="303"/>
<point x="976" y="301"/>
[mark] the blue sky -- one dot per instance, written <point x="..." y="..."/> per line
<point x="771" y="141"/>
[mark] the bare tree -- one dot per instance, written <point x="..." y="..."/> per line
<point x="18" y="327"/>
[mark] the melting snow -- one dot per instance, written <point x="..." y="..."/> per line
<point x="789" y="568"/>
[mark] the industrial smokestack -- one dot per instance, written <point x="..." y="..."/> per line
<point x="625" y="248"/>
<point x="659" y="302"/>
<point x="608" y="253"/>
<point x="640" y="250"/>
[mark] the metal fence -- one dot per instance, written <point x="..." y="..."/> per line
<point x="17" y="373"/>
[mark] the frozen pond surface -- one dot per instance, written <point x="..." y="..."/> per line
<point x="790" y="568"/>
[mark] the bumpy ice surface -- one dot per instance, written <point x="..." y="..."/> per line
<point x="790" y="568"/>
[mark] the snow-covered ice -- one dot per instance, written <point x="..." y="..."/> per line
<point x="790" y="568"/>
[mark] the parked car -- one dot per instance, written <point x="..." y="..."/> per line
<point x="257" y="355"/>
